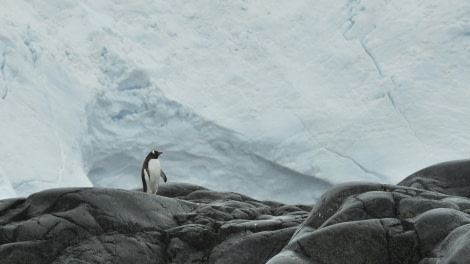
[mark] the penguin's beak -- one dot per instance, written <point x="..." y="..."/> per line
<point x="159" y="153"/>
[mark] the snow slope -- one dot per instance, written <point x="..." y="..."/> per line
<point x="275" y="99"/>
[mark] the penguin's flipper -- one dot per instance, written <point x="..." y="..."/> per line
<point x="146" y="178"/>
<point x="162" y="174"/>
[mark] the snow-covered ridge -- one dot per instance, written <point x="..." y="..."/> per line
<point x="260" y="98"/>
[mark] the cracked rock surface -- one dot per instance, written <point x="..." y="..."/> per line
<point x="424" y="220"/>
<point x="183" y="224"/>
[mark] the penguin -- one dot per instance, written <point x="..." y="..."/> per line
<point x="151" y="172"/>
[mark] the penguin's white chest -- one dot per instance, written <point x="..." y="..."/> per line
<point x="154" y="177"/>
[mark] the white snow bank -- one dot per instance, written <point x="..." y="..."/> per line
<point x="273" y="99"/>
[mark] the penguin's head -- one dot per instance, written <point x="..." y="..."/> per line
<point x="154" y="154"/>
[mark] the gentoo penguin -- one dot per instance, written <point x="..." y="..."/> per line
<point x="151" y="172"/>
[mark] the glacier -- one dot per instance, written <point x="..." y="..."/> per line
<point x="274" y="99"/>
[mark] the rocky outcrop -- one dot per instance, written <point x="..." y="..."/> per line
<point x="376" y="223"/>
<point x="423" y="220"/>
<point x="451" y="178"/>
<point x="184" y="224"/>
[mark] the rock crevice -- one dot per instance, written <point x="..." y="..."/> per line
<point x="424" y="219"/>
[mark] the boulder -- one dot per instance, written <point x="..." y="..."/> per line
<point x="183" y="224"/>
<point x="452" y="177"/>
<point x="422" y="220"/>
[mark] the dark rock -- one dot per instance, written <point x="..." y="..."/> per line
<point x="341" y="243"/>
<point x="412" y="206"/>
<point x="62" y="224"/>
<point x="196" y="235"/>
<point x="433" y="226"/>
<point x="96" y="225"/>
<point x="208" y="195"/>
<point x="455" y="248"/>
<point x="177" y="189"/>
<point x="451" y="178"/>
<point x="240" y="249"/>
<point x="424" y="220"/>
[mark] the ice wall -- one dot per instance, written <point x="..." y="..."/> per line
<point x="274" y="99"/>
